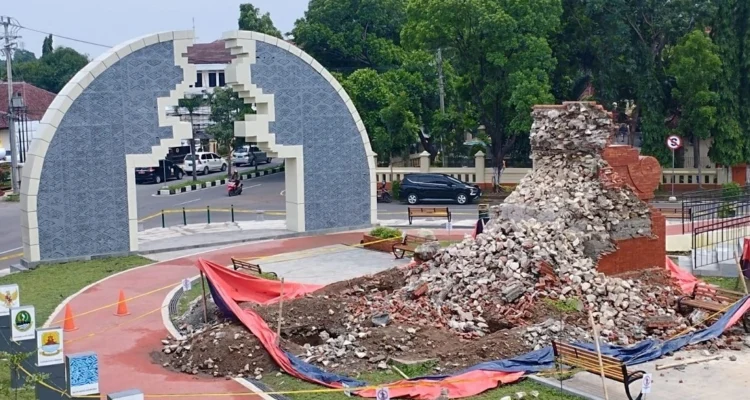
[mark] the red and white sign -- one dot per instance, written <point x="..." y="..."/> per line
<point x="674" y="142"/>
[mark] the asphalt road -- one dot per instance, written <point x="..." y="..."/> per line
<point x="259" y="194"/>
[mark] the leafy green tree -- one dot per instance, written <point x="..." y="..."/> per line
<point x="47" y="47"/>
<point x="346" y="35"/>
<point x="501" y="53"/>
<point x="189" y="105"/>
<point x="625" y="55"/>
<point x="52" y="71"/>
<point x="730" y="146"/>
<point x="370" y="94"/>
<point x="21" y="55"/>
<point x="696" y="68"/>
<point x="252" y="20"/>
<point x="226" y="108"/>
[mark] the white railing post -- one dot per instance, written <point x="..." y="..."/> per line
<point x="479" y="167"/>
<point x="424" y="162"/>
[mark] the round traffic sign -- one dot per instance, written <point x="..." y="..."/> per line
<point x="674" y="142"/>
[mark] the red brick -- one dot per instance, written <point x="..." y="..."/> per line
<point x="639" y="253"/>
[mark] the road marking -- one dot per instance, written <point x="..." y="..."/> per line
<point x="187" y="202"/>
<point x="11" y="256"/>
<point x="282" y="192"/>
<point x="8" y="251"/>
<point x="250" y="187"/>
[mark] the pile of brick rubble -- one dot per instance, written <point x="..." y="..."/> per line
<point x="565" y="214"/>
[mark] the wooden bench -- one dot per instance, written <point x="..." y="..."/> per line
<point x="254" y="268"/>
<point x="588" y="360"/>
<point x="428" y="212"/>
<point x="408" y="245"/>
<point x="713" y="299"/>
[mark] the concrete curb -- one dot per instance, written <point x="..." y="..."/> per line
<point x="556" y="385"/>
<point x="258" y="239"/>
<point x="219" y="182"/>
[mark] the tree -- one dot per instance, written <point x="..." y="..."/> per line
<point x="191" y="104"/>
<point x="47" y="47"/>
<point x="226" y="108"/>
<point x="346" y="35"/>
<point x="252" y="20"/>
<point x="21" y="55"/>
<point x="500" y="51"/>
<point x="696" y="68"/>
<point x="53" y="70"/>
<point x="625" y="55"/>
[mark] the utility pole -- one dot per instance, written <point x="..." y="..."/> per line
<point x="441" y="87"/>
<point x="15" y="181"/>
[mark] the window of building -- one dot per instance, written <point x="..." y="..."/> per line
<point x="212" y="79"/>
<point x="199" y="80"/>
<point x="222" y="82"/>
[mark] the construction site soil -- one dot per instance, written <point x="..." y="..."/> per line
<point x="225" y="348"/>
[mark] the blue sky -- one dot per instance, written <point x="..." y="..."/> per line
<point x="110" y="22"/>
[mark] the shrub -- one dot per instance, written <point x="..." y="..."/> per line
<point x="395" y="188"/>
<point x="726" y="211"/>
<point x="384" y="232"/>
<point x="731" y="191"/>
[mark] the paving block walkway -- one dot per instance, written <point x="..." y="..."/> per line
<point x="720" y="379"/>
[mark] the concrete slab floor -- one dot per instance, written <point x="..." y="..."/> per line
<point x="329" y="264"/>
<point x="720" y="379"/>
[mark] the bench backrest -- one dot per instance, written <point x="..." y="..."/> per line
<point x="716" y="294"/>
<point x="589" y="360"/>
<point x="245" y="265"/>
<point x="429" y="211"/>
<point x="415" y="239"/>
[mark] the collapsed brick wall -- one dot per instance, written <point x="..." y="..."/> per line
<point x="642" y="174"/>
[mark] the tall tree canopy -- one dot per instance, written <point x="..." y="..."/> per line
<point x="345" y="35"/>
<point x="47" y="47"/>
<point x="730" y="30"/>
<point x="500" y="50"/>
<point x="252" y="20"/>
<point x="696" y="67"/>
<point x="53" y="70"/>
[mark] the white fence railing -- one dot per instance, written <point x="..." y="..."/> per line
<point x="480" y="175"/>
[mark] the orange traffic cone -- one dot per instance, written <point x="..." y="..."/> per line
<point x="70" y="324"/>
<point x="122" y="307"/>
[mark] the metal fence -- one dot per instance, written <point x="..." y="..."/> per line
<point x="187" y="216"/>
<point x="717" y="219"/>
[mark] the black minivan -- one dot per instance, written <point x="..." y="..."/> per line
<point x="436" y="187"/>
<point x="159" y="174"/>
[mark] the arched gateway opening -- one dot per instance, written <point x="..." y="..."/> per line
<point x="78" y="191"/>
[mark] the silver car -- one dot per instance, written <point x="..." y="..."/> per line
<point x="250" y="155"/>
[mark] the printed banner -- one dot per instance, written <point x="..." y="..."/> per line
<point x="9" y="298"/>
<point x="49" y="345"/>
<point x="23" y="323"/>
<point x="83" y="374"/>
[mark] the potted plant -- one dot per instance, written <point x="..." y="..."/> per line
<point x="382" y="238"/>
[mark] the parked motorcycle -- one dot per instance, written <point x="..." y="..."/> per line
<point x="383" y="195"/>
<point x="234" y="188"/>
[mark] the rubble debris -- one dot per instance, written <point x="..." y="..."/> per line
<point x="528" y="279"/>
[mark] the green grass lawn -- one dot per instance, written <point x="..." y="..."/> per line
<point x="48" y="285"/>
<point x="724" y="283"/>
<point x="286" y="383"/>
<point x="13" y="198"/>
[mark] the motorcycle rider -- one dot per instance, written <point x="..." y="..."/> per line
<point x="236" y="179"/>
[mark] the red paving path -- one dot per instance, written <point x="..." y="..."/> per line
<point x="124" y="351"/>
